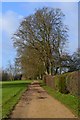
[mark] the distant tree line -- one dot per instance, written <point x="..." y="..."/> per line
<point x="10" y="73"/>
<point x="40" y="42"/>
<point x="71" y="63"/>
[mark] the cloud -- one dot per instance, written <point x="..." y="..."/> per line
<point x="10" y="22"/>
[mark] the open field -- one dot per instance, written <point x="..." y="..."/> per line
<point x="11" y="92"/>
<point x="72" y="102"/>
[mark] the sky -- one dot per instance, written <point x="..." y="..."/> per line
<point x="12" y="14"/>
<point x="78" y="24"/>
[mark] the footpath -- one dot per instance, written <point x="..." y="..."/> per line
<point x="36" y="103"/>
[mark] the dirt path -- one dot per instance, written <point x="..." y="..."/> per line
<point x="36" y="103"/>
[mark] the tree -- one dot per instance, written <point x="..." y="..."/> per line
<point x="5" y="76"/>
<point x="46" y="34"/>
<point x="0" y="74"/>
<point x="10" y="71"/>
<point x="32" y="64"/>
<point x="13" y="71"/>
<point x="75" y="61"/>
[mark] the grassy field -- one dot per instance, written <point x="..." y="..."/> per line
<point x="0" y="101"/>
<point x="72" y="102"/>
<point x="11" y="92"/>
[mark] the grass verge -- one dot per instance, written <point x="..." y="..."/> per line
<point x="70" y="101"/>
<point x="11" y="93"/>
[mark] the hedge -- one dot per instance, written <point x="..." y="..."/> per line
<point x="65" y="83"/>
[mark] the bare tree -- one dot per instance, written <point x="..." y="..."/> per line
<point x="46" y="34"/>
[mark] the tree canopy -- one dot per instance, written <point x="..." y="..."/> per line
<point x="40" y="42"/>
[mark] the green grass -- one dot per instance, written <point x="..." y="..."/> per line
<point x="72" y="102"/>
<point x="0" y="101"/>
<point x="11" y="93"/>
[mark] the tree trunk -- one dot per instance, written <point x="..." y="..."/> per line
<point x="51" y="68"/>
<point x="56" y="70"/>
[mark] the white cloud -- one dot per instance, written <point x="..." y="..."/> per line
<point x="10" y="22"/>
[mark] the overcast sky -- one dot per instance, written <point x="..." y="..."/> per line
<point x="14" y="12"/>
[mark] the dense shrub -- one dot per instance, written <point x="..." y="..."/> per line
<point x="5" y="76"/>
<point x="72" y="82"/>
<point x="60" y="83"/>
<point x="48" y="79"/>
<point x="65" y="83"/>
<point x="56" y="79"/>
<point x="18" y="77"/>
<point x="0" y="75"/>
